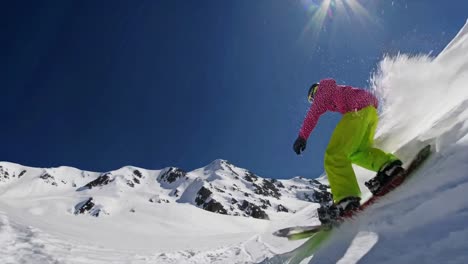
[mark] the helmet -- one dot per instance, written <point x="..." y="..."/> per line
<point x="312" y="90"/>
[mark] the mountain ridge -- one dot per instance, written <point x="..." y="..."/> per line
<point x="220" y="187"/>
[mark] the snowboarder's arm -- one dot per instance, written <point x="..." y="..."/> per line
<point x="319" y="106"/>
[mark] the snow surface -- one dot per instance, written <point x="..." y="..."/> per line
<point x="155" y="214"/>
<point x="425" y="100"/>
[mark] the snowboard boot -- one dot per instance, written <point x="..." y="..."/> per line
<point x="330" y="215"/>
<point x="384" y="176"/>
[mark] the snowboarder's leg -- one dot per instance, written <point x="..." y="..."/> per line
<point x="341" y="176"/>
<point x="345" y="140"/>
<point x="367" y="156"/>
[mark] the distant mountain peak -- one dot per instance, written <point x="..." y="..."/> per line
<point x="219" y="187"/>
<point x="218" y="164"/>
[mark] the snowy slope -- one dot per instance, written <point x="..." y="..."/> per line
<point x="425" y="220"/>
<point x="156" y="213"/>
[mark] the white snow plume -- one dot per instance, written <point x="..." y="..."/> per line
<point x="417" y="91"/>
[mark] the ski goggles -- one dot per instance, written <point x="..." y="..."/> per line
<point x="313" y="89"/>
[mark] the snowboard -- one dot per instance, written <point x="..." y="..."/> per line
<point x="301" y="232"/>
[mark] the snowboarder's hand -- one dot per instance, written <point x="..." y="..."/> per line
<point x="299" y="145"/>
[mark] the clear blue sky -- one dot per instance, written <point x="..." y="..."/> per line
<point x="103" y="84"/>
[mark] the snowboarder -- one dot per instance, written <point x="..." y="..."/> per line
<point x="351" y="143"/>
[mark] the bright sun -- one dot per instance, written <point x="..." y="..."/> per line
<point x="323" y="10"/>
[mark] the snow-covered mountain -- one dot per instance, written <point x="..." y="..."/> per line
<point x="219" y="187"/>
<point x="166" y="216"/>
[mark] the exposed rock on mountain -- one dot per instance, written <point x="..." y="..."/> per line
<point x="87" y="207"/>
<point x="102" y="180"/>
<point x="172" y="174"/>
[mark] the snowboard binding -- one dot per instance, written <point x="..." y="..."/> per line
<point x="384" y="176"/>
<point x="331" y="215"/>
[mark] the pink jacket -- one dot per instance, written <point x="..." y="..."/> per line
<point x="335" y="98"/>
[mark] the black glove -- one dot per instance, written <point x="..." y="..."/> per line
<point x="299" y="145"/>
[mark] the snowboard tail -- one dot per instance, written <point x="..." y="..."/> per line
<point x="298" y="232"/>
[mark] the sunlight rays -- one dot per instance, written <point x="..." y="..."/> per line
<point x="361" y="13"/>
<point x="328" y="13"/>
<point x="316" y="22"/>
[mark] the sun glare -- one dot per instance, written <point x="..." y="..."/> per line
<point x="325" y="12"/>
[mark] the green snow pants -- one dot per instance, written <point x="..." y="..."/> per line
<point x="352" y="143"/>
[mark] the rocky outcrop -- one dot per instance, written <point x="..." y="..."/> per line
<point x="215" y="207"/>
<point x="281" y="208"/>
<point x="267" y="188"/>
<point x="321" y="197"/>
<point x="202" y="196"/>
<point x="6" y="176"/>
<point x="130" y="183"/>
<point x="136" y="179"/>
<point x="174" y="193"/>
<point x="319" y="185"/>
<point x="102" y="180"/>
<point x="48" y="179"/>
<point x="21" y="173"/>
<point x="250" y="177"/>
<point x="265" y="203"/>
<point x="138" y="173"/>
<point x="277" y="183"/>
<point x="253" y="210"/>
<point x="172" y="174"/>
<point x="157" y="199"/>
<point x="204" y="200"/>
<point x="87" y="207"/>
